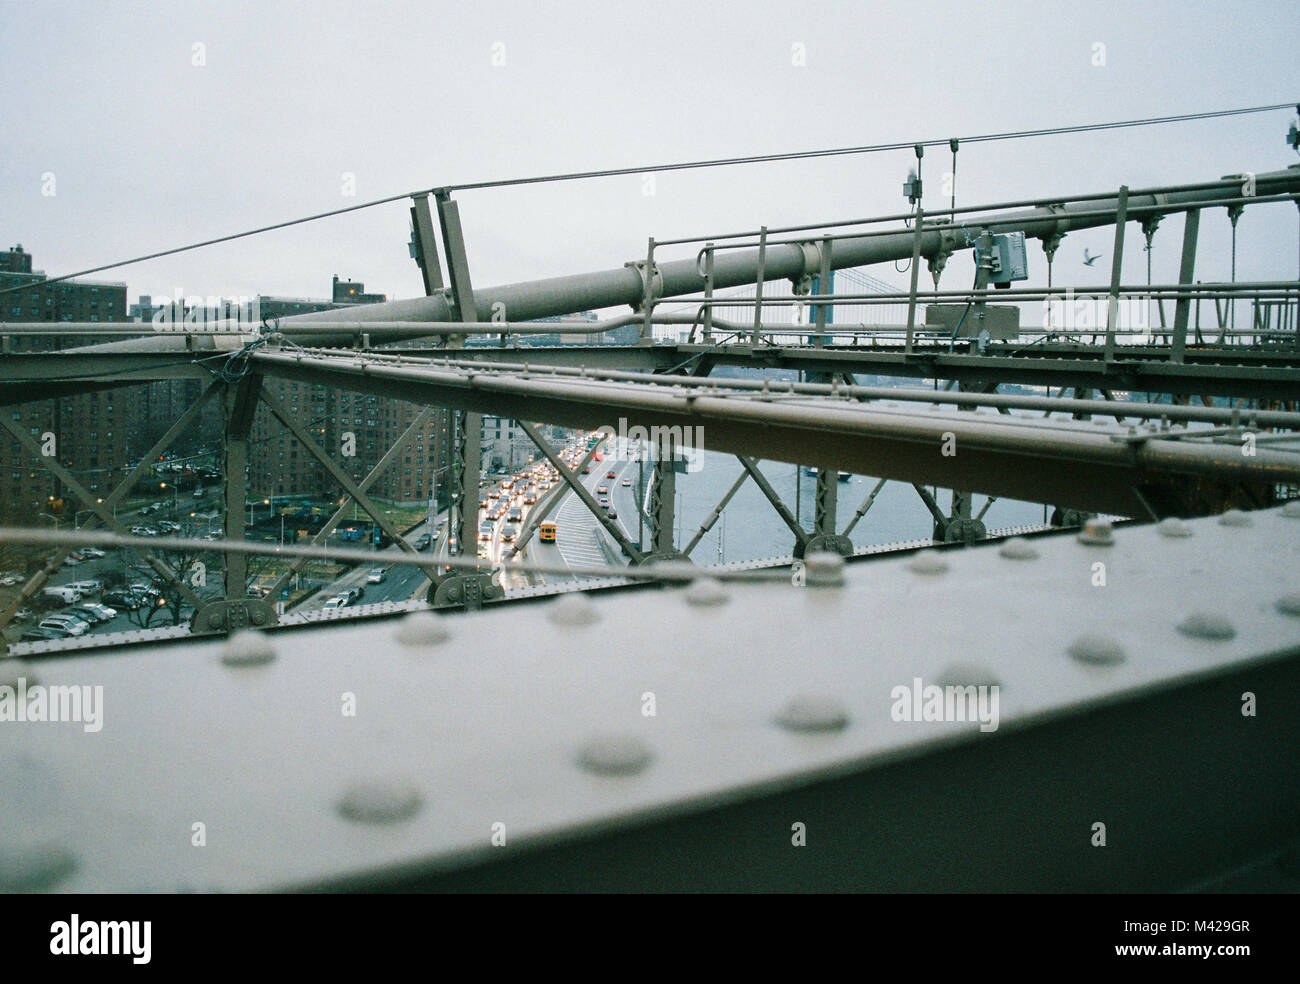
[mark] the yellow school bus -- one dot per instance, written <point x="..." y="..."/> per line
<point x="546" y="532"/>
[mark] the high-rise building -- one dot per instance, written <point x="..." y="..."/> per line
<point x="354" y="428"/>
<point x="93" y="435"/>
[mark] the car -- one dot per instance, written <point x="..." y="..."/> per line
<point x="144" y="588"/>
<point x="70" y="561"/>
<point x="335" y="603"/>
<point x="61" y="593"/>
<point x="602" y="490"/>
<point x="530" y="499"/>
<point x="376" y="576"/>
<point x="87" y="587"/>
<point x="92" y="553"/>
<point x="586" y="469"/>
<point x="611" y="474"/>
<point x="139" y="530"/>
<point x="96" y="613"/>
<point x="611" y="512"/>
<point x="627" y="482"/>
<point x="123" y="599"/>
<point x="9" y="580"/>
<point x="507" y="536"/>
<point x="353" y="593"/>
<point x="39" y="634"/>
<point x="22" y="615"/>
<point x="516" y="515"/>
<point x="424" y="542"/>
<point x="70" y="624"/>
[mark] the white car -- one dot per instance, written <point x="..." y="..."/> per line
<point x="65" y="623"/>
<point x="62" y="593"/>
<point x="335" y="603"/>
<point x="87" y="587"/>
<point x="92" y="552"/>
<point x="376" y="576"/>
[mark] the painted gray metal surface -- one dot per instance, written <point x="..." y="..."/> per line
<point x="533" y="718"/>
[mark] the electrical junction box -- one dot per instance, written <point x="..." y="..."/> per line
<point x="1002" y="322"/>
<point x="1009" y="260"/>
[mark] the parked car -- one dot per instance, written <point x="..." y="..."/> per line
<point x="97" y="613"/>
<point x="62" y="593"/>
<point x="70" y="624"/>
<point x="92" y="553"/>
<point x="128" y="600"/>
<point x="39" y="634"/>
<point x="22" y="615"/>
<point x="88" y="587"/>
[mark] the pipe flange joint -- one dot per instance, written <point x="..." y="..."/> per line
<point x="652" y="283"/>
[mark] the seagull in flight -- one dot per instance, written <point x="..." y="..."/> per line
<point x="1089" y="259"/>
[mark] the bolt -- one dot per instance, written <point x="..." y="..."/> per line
<point x="380" y="801"/>
<point x="215" y="620"/>
<point x="705" y="592"/>
<point x="809" y="712"/>
<point x="615" y="755"/>
<point x="1235" y="517"/>
<point x="1097" y="533"/>
<point x="12" y="670"/>
<point x="1205" y="625"/>
<point x="1174" y="528"/>
<point x="1018" y="548"/>
<point x="928" y="562"/>
<point x="259" y="617"/>
<point x="1097" y="649"/>
<point x="422" y="629"/>
<point x="824" y="569"/>
<point x="247" y="648"/>
<point x="35" y="868"/>
<point x="573" y="609"/>
<point x="1289" y="604"/>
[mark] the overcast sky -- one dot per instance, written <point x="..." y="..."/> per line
<point x="165" y="123"/>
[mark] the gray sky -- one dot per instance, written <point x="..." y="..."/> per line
<point x="150" y="150"/>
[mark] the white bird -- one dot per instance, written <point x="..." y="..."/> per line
<point x="1089" y="259"/>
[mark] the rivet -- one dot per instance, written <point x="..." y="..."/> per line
<point x="706" y="591"/>
<point x="676" y="570"/>
<point x="573" y="609"/>
<point x="1173" y="527"/>
<point x="824" y="569"/>
<point x="246" y="648"/>
<point x="422" y="629"/>
<point x="615" y="755"/>
<point x="214" y="619"/>
<point x="1235" y="517"/>
<point x="811" y="713"/>
<point x="13" y="670"/>
<point x="1018" y="548"/>
<point x="1097" y="533"/>
<point x="1204" y="625"/>
<point x="1292" y="509"/>
<point x="380" y="801"/>
<point x="1289" y="604"/>
<point x="259" y="618"/>
<point x="928" y="562"/>
<point x="1096" y="648"/>
<point x="967" y="675"/>
<point x="34" y="869"/>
